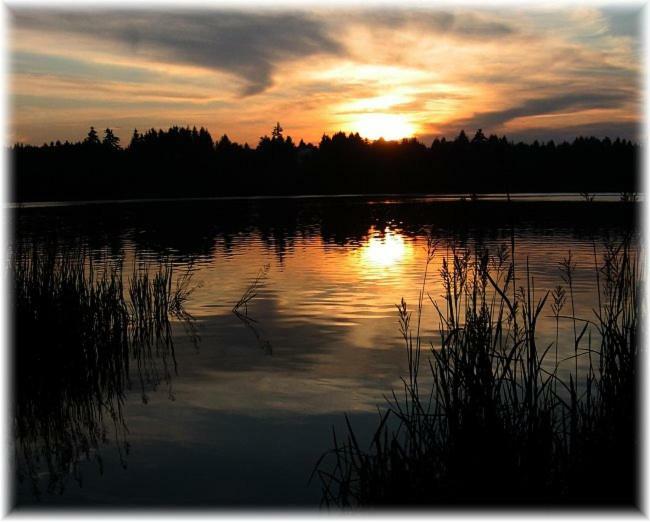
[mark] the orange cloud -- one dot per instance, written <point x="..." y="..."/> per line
<point x="416" y="71"/>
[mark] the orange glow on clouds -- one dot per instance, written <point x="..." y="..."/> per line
<point x="390" y="73"/>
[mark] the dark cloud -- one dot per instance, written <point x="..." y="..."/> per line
<point x="623" y="129"/>
<point x="247" y="45"/>
<point x="624" y="20"/>
<point x="539" y="106"/>
<point x="469" y="25"/>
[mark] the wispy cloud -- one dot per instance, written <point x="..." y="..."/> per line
<point x="245" y="44"/>
<point x="472" y="25"/>
<point x="575" y="101"/>
<point x="516" y="71"/>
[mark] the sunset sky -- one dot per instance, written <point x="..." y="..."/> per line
<point x="527" y="73"/>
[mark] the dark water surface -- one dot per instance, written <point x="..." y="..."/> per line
<point x="251" y="406"/>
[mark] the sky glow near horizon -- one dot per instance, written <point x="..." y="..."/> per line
<point x="526" y="73"/>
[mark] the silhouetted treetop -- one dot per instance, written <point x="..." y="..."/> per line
<point x="92" y="138"/>
<point x="184" y="161"/>
<point x="462" y="138"/>
<point x="110" y="140"/>
<point x="479" y="137"/>
<point x="276" y="134"/>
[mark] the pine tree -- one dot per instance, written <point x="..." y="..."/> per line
<point x="276" y="134"/>
<point x="92" y="138"/>
<point x="110" y="140"/>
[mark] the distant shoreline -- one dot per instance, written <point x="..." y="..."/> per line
<point x="599" y="197"/>
<point x="189" y="163"/>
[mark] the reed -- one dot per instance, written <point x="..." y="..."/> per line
<point x="251" y="291"/>
<point x="485" y="416"/>
<point x="82" y="335"/>
<point x="249" y="294"/>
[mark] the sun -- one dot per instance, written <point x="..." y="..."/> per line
<point x="380" y="125"/>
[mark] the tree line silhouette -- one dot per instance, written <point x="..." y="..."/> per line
<point x="184" y="162"/>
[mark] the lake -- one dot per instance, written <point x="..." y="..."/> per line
<point x="250" y="404"/>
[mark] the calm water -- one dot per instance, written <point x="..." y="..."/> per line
<point x="252" y="405"/>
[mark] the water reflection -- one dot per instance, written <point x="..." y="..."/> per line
<point x="327" y="305"/>
<point x="85" y="334"/>
<point x="384" y="250"/>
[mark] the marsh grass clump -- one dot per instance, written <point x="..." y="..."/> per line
<point x="484" y="416"/>
<point x="83" y="333"/>
<point x="152" y="301"/>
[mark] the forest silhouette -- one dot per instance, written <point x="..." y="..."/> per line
<point x="188" y="162"/>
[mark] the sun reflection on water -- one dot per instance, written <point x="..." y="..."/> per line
<point x="385" y="249"/>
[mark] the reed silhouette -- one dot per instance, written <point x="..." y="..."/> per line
<point x="241" y="309"/>
<point x="187" y="162"/>
<point x="84" y="334"/>
<point x="180" y="232"/>
<point x="489" y="417"/>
